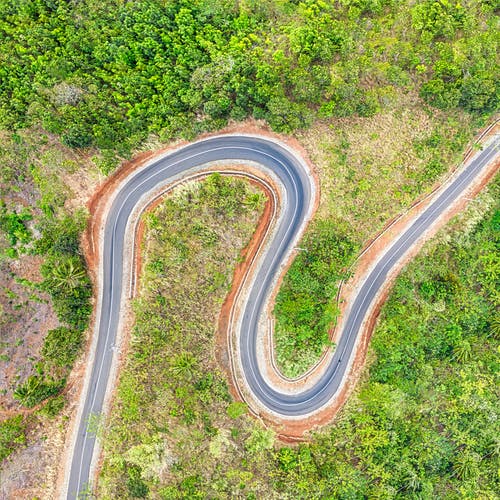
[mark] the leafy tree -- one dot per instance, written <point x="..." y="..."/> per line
<point x="60" y="236"/>
<point x="260" y="440"/>
<point x="479" y="92"/>
<point x="440" y="94"/>
<point x="438" y="17"/>
<point x="137" y="488"/>
<point x="77" y="137"/>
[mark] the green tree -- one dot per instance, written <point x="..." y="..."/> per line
<point x="66" y="273"/>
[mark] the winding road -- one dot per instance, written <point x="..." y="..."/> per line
<point x="296" y="181"/>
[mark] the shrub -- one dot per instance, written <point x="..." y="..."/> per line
<point x="61" y="346"/>
<point x="54" y="406"/>
<point x="236" y="409"/>
<point x="12" y="434"/>
<point x="14" y="225"/>
<point x="304" y="309"/>
<point x="36" y="389"/>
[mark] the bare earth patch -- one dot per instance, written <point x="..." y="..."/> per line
<point x="26" y="315"/>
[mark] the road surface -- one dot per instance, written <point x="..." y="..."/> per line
<point x="299" y="193"/>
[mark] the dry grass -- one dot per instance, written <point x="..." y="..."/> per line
<point x="370" y="169"/>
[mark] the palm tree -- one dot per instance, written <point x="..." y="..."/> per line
<point x="495" y="326"/>
<point x="24" y="392"/>
<point x="67" y="273"/>
<point x="183" y="365"/>
<point x="463" y="351"/>
<point x="466" y="465"/>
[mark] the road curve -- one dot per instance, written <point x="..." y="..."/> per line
<point x="297" y="183"/>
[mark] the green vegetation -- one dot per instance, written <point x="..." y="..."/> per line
<point x="108" y="73"/>
<point x="12" y="434"/>
<point x="383" y="94"/>
<point x="104" y="77"/>
<point x="14" y="225"/>
<point x="423" y="423"/>
<point x="173" y="404"/>
<point x="36" y="389"/>
<point x="57" y="241"/>
<point x="304" y="306"/>
<point x="61" y="346"/>
<point x="67" y="283"/>
<point x="371" y="170"/>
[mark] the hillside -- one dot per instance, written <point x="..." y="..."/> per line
<point x="383" y="95"/>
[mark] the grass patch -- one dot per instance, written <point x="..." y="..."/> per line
<point x="173" y="427"/>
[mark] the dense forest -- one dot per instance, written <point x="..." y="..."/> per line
<point x="109" y="73"/>
<point x="384" y="94"/>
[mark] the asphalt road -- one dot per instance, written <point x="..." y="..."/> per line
<point x="297" y="184"/>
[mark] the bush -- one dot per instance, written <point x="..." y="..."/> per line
<point x="60" y="235"/>
<point x="54" y="406"/>
<point x="77" y="137"/>
<point x="135" y="485"/>
<point x="12" y="435"/>
<point x="61" y="346"/>
<point x="14" y="225"/>
<point x="236" y="409"/>
<point x="36" y="389"/>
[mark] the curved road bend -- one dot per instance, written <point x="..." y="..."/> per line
<point x="298" y="186"/>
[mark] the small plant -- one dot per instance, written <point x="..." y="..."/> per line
<point x="36" y="389"/>
<point x="12" y="435"/>
<point x="236" y="409"/>
<point x="53" y="407"/>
